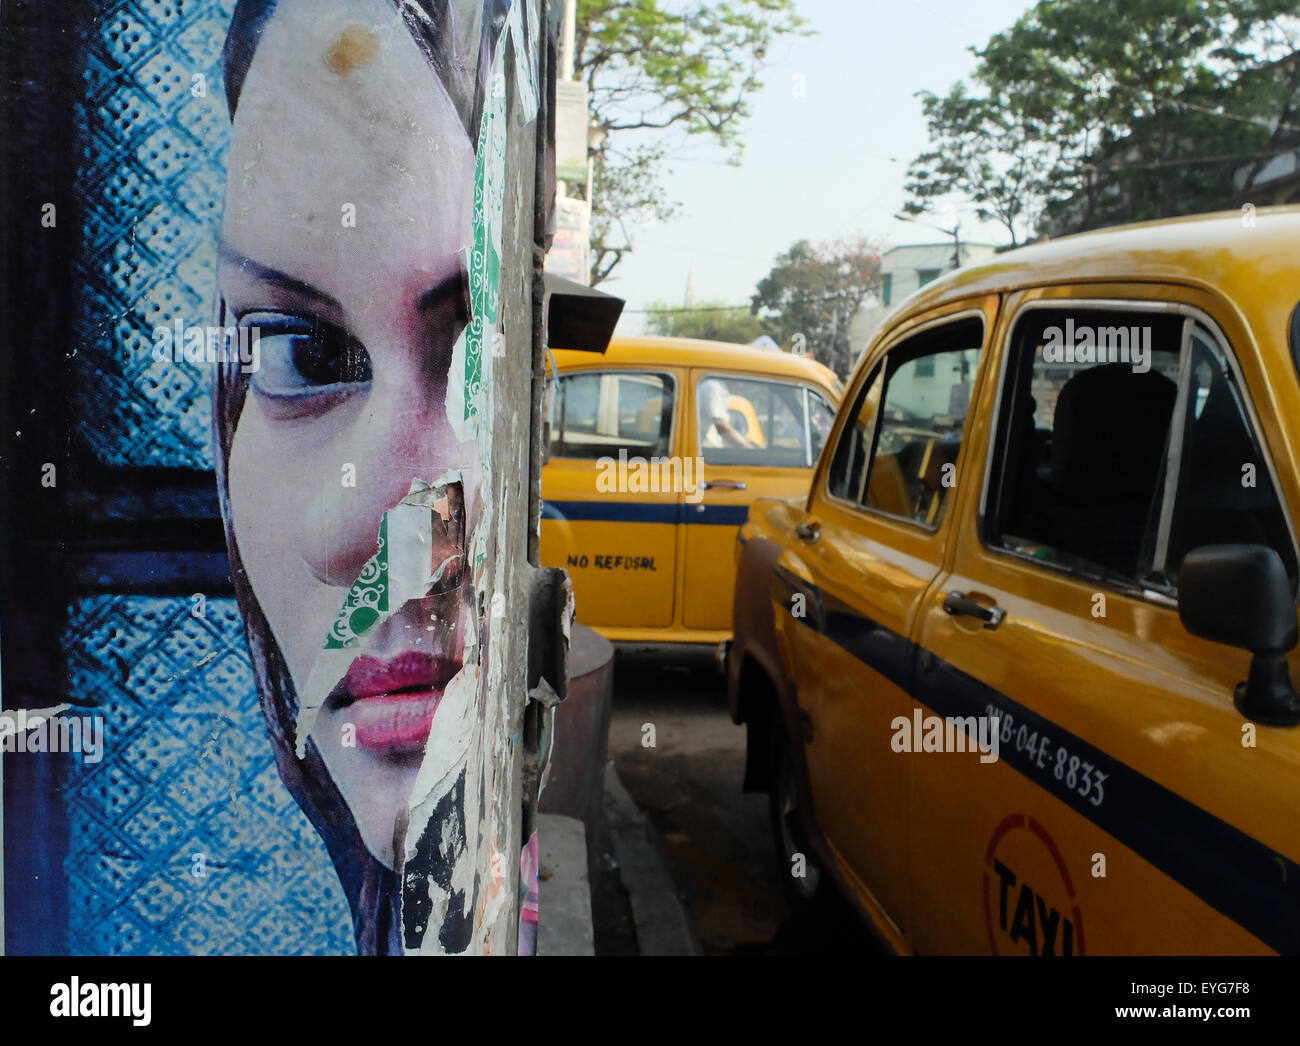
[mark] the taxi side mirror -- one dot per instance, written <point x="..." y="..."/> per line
<point x="1240" y="595"/>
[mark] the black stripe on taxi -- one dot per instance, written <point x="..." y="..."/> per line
<point x="1236" y="874"/>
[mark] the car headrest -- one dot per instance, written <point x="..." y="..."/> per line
<point x="1109" y="434"/>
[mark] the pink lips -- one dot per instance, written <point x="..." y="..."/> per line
<point x="392" y="703"/>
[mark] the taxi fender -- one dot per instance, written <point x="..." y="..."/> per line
<point x="760" y="693"/>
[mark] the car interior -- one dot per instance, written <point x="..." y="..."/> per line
<point x="1087" y="492"/>
<point x="1079" y="491"/>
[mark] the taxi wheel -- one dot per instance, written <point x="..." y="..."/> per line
<point x="793" y="852"/>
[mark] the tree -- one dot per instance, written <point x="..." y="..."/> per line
<point x="626" y="190"/>
<point x="649" y="69"/>
<point x="1092" y="112"/>
<point x="712" y="320"/>
<point x="812" y="294"/>
<point x="988" y="151"/>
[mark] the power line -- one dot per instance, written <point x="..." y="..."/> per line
<point x="703" y="308"/>
<point x="1193" y="161"/>
<point x="730" y="308"/>
<point x="1182" y="103"/>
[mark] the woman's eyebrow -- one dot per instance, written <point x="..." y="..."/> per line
<point x="452" y="288"/>
<point x="267" y="274"/>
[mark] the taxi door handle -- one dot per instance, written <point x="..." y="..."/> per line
<point x="955" y="604"/>
<point x="723" y="484"/>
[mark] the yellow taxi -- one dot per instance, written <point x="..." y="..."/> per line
<point x="1018" y="672"/>
<point x="656" y="448"/>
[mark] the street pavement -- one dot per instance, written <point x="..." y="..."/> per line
<point x="681" y="760"/>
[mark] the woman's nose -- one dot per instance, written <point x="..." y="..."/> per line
<point x="394" y="436"/>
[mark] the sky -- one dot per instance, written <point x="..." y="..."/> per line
<point x="829" y="164"/>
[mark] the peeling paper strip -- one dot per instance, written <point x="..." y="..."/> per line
<point x="449" y="745"/>
<point x="454" y="748"/>
<point x="493" y="828"/>
<point x="523" y="28"/>
<point x="401" y="569"/>
<point x="470" y="735"/>
<point x="462" y="415"/>
<point x="485" y="259"/>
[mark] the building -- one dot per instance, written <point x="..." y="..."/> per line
<point x="1274" y="183"/>
<point x="905" y="270"/>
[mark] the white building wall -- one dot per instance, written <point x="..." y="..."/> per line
<point x="905" y="266"/>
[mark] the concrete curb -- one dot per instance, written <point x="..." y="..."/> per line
<point x="564" y="925"/>
<point x="661" y="924"/>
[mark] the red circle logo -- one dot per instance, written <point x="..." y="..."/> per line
<point x="1030" y="907"/>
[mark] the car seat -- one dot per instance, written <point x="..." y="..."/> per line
<point x="1109" y="441"/>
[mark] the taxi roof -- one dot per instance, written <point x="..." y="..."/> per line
<point x="646" y="350"/>
<point x="1251" y="264"/>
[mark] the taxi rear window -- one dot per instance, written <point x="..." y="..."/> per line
<point x="758" y="421"/>
<point x="596" y="414"/>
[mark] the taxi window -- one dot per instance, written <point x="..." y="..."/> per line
<point x="821" y="415"/>
<point x="898" y="455"/>
<point x="748" y="421"/>
<point x="1222" y="492"/>
<point x="849" y="466"/>
<point x="1122" y="446"/>
<point x="595" y="415"/>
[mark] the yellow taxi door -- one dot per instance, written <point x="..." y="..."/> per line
<point x="749" y="437"/>
<point x="871" y="545"/>
<point x="611" y="514"/>
<point x="1127" y="806"/>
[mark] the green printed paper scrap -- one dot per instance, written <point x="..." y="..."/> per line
<point x="485" y="258"/>
<point x="367" y="600"/>
<point x="402" y="569"/>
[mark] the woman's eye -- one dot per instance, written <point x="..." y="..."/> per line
<point x="305" y="357"/>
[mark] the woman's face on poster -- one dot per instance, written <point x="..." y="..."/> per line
<point x="348" y="198"/>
